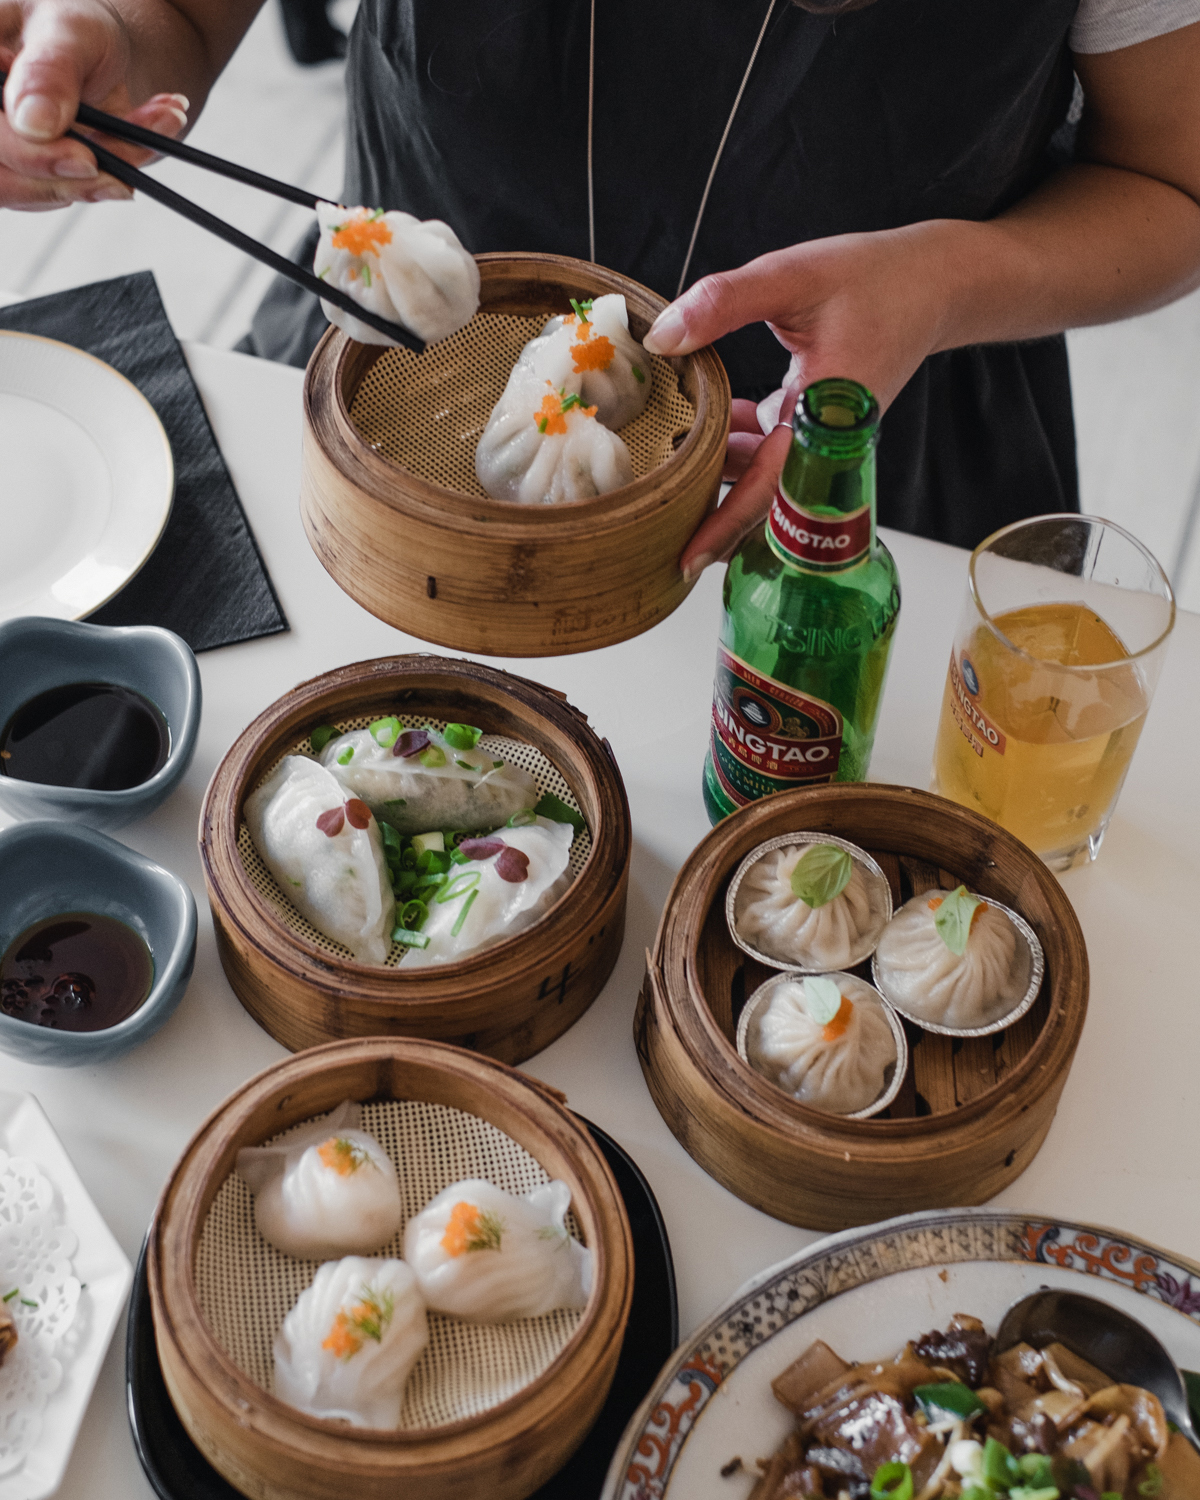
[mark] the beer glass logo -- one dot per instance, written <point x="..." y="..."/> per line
<point x="969" y="676"/>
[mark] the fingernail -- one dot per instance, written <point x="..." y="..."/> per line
<point x="179" y="116"/>
<point x="696" y="567"/>
<point x="80" y="167"/>
<point x="182" y="100"/>
<point x="114" y="193"/>
<point x="37" y="117"/>
<point x="666" y="332"/>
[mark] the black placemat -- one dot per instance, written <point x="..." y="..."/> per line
<point x="177" y="1470"/>
<point x="206" y="579"/>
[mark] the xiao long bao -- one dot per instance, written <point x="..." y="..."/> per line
<point x="809" y="902"/>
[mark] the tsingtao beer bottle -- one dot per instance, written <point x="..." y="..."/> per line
<point x="811" y="603"/>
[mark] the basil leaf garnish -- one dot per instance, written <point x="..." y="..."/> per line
<point x="822" y="873"/>
<point x="953" y="919"/>
<point x="822" y="999"/>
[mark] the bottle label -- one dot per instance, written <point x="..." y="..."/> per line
<point x="974" y="725"/>
<point x="822" y="543"/>
<point x="768" y="737"/>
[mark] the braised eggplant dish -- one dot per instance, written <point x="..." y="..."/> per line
<point x="952" y="1417"/>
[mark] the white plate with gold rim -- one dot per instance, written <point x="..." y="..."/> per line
<point x="866" y="1292"/>
<point x="86" y="479"/>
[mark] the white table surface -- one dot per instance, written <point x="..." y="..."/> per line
<point x="1121" y="1151"/>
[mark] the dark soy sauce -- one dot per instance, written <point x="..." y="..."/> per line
<point x="88" y="734"/>
<point x="75" y="972"/>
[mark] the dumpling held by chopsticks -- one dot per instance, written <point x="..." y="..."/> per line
<point x="409" y="272"/>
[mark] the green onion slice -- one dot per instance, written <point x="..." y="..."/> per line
<point x="432" y="757"/>
<point x="523" y="818"/>
<point x="892" y="1481"/>
<point x="462" y="915"/>
<point x="409" y="938"/>
<point x="385" y="732"/>
<point x="1000" y="1468"/>
<point x="462" y="736"/>
<point x="412" y="915"/>
<point x="346" y="756"/>
<point x="457" y="887"/>
<point x="321" y="736"/>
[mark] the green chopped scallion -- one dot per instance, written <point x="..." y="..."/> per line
<point x="8" y="1296"/>
<point x="366" y="274"/>
<point x="346" y="756"/>
<point x="541" y="426"/>
<point x="950" y="1399"/>
<point x="457" y="887"/>
<point x="637" y="375"/>
<point x="462" y="916"/>
<point x="462" y="736"/>
<point x="409" y="938"/>
<point x="892" y="1481"/>
<point x="412" y="915"/>
<point x="523" y="818"/>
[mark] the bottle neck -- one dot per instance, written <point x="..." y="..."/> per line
<point x="822" y="517"/>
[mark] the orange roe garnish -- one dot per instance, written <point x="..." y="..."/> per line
<point x="341" y="1155"/>
<point x="362" y="236"/>
<point x="551" y="418"/>
<point x="837" y="1027"/>
<point x="344" y="1339"/>
<point x="591" y="353"/>
<point x="463" y="1226"/>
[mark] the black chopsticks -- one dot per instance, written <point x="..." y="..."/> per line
<point x="124" y="172"/>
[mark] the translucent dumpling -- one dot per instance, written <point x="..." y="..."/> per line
<point x="592" y="353"/>
<point x="831" y="934"/>
<point x="326" y="1189"/>
<point x="510" y="879"/>
<point x="347" y="1346"/>
<point x="417" y="780"/>
<point x="482" y="1254"/>
<point x="414" y="273"/>
<point x="326" y="852"/>
<point x="543" y="445"/>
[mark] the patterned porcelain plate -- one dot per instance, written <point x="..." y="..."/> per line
<point x="865" y="1292"/>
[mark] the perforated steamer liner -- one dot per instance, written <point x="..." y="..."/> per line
<point x="461" y="1114"/>
<point x="427" y="412"/>
<point x="528" y="757"/>
<point x="246" y="1287"/>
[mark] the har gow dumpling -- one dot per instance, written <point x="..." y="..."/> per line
<point x="482" y="1254"/>
<point x="825" y="1039"/>
<point x="411" y="272"/>
<point x="347" y="1346"/>
<point x="509" y="880"/>
<point x="326" y="852"/>
<point x="543" y="445"/>
<point x="418" y="779"/>
<point x="810" y="906"/>
<point x="592" y="352"/>
<point x="325" y="1190"/>
<point x="950" y="959"/>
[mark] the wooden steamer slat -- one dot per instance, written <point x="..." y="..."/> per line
<point x="510" y="1000"/>
<point x="506" y="579"/>
<point x="271" y="1451"/>
<point x="972" y="1113"/>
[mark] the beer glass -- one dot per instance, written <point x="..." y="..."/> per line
<point x="1055" y="660"/>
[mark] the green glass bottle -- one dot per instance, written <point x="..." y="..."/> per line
<point x="811" y="603"/>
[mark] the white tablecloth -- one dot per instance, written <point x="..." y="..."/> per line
<point x="1121" y="1151"/>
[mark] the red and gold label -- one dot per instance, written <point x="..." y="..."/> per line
<point x="766" y="736"/>
<point x="822" y="543"/>
<point x="978" y="730"/>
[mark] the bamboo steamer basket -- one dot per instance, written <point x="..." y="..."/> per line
<point x="393" y="509"/>
<point x="209" y="1319"/>
<point x="509" y="1000"/>
<point x="971" y="1114"/>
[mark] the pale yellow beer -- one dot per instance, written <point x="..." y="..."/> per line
<point x="1041" y="751"/>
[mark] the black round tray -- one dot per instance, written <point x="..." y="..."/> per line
<point x="177" y="1470"/>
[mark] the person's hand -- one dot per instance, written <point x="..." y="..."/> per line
<point x="56" y="53"/>
<point x="864" y="306"/>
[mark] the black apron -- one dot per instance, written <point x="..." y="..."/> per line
<point x="475" y="111"/>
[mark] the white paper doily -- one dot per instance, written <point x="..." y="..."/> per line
<point x="35" y="1261"/>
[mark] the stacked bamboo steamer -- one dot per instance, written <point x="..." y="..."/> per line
<point x="971" y="1114"/>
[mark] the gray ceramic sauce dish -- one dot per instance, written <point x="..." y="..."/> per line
<point x="48" y="869"/>
<point x="37" y="653"/>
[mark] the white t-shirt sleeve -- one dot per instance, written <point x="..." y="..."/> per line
<point x="1107" y="25"/>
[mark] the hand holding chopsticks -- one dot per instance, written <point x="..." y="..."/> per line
<point x="123" y="171"/>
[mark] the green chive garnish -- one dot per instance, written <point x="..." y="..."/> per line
<point x="637" y="375"/>
<point x="410" y="939"/>
<point x="457" y="887"/>
<point x="462" y="916"/>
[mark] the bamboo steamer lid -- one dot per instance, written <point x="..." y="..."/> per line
<point x="214" y="1286"/>
<point x="509" y="1000"/>
<point x="972" y="1113"/>
<point x="393" y="509"/>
